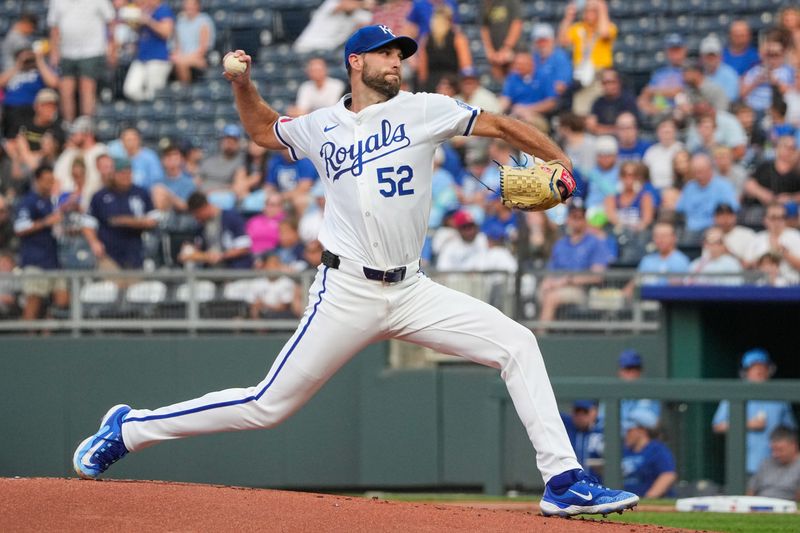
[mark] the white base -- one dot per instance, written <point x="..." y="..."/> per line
<point x="735" y="504"/>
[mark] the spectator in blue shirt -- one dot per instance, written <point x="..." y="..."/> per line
<point x="630" y="369"/>
<point x="630" y="146"/>
<point x="551" y="62"/>
<point x="757" y="84"/>
<point x="763" y="416"/>
<point x="657" y="98"/>
<point x="145" y="165"/>
<point x="292" y="179"/>
<point x="222" y="241"/>
<point x="120" y="213"/>
<point x="171" y="192"/>
<point x="666" y="259"/>
<point x="526" y="94"/>
<point x="715" y="70"/>
<point x="614" y="101"/>
<point x="702" y="194"/>
<point x="648" y="466"/>
<point x="38" y="249"/>
<point x="586" y="435"/>
<point x="603" y="179"/>
<point x="740" y="53"/>
<point x="150" y="69"/>
<point x="21" y="82"/>
<point x="579" y="252"/>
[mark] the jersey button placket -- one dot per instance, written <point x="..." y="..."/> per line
<point x="366" y="192"/>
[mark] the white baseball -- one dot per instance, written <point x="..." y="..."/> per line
<point x="233" y="65"/>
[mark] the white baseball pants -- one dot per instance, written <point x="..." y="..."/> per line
<point x="344" y="315"/>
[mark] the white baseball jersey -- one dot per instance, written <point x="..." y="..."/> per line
<point x="376" y="167"/>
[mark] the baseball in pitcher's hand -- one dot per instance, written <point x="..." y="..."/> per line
<point x="243" y="78"/>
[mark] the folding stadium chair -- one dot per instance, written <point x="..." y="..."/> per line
<point x="143" y="297"/>
<point x="99" y="299"/>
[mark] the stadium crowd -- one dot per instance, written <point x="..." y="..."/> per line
<point x="698" y="171"/>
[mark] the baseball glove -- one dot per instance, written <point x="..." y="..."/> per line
<point x="536" y="188"/>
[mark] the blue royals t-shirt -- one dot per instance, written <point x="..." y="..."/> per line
<point x="39" y="248"/>
<point x="21" y="89"/>
<point x="151" y="45"/>
<point x="123" y="244"/>
<point x="285" y="175"/>
<point x="641" y="469"/>
<point x="580" y="256"/>
<point x="528" y="90"/>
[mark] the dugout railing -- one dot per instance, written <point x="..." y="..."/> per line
<point x="611" y="390"/>
<point x="196" y="301"/>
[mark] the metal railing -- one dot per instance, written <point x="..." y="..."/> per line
<point x="612" y="390"/>
<point x="222" y="300"/>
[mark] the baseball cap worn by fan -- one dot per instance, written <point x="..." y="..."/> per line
<point x="710" y="45"/>
<point x="630" y="359"/>
<point x="543" y="31"/>
<point x="370" y="38"/>
<point x="82" y="124"/>
<point x="462" y="219"/>
<point x="231" y="130"/>
<point x="46" y="96"/>
<point x="674" y="40"/>
<point x="606" y="145"/>
<point x="755" y="356"/>
<point x="122" y="163"/>
<point x="584" y="404"/>
<point x="640" y="418"/>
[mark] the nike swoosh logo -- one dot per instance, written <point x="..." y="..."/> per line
<point x="326" y="129"/>
<point x="587" y="496"/>
<point x="87" y="457"/>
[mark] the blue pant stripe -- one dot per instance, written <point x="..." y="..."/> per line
<point x="249" y="398"/>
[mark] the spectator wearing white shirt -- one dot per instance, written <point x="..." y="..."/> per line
<point x="81" y="143"/>
<point x="659" y="156"/>
<point x="319" y="90"/>
<point x="464" y="253"/>
<point x="737" y="239"/>
<point x="715" y="260"/>
<point x="79" y="46"/>
<point x="778" y="239"/>
<point x="330" y="25"/>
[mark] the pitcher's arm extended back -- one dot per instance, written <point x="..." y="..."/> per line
<point x="257" y="117"/>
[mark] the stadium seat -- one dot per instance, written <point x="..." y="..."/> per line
<point x="98" y="298"/>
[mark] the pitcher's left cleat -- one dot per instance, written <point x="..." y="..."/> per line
<point x="586" y="496"/>
<point x="96" y="453"/>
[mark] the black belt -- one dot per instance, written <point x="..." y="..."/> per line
<point x="392" y="275"/>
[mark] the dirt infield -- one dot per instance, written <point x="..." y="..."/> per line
<point x="44" y="504"/>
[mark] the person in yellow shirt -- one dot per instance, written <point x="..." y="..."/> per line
<point x="592" y="42"/>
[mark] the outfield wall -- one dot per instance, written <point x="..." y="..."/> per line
<point x="369" y="427"/>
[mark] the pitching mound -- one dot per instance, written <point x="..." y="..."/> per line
<point x="77" y="505"/>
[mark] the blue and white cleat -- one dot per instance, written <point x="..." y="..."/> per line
<point x="586" y="496"/>
<point x="99" y="451"/>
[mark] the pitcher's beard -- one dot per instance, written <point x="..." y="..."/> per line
<point x="379" y="84"/>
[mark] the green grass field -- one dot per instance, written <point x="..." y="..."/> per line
<point x="727" y="522"/>
<point x="722" y="522"/>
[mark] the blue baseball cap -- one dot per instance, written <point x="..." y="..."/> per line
<point x="231" y="130"/>
<point x="674" y="40"/>
<point x="755" y="356"/>
<point x="584" y="404"/>
<point x="370" y="38"/>
<point x="630" y="358"/>
<point x="495" y="232"/>
<point x="640" y="418"/>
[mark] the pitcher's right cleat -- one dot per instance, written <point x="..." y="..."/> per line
<point x="96" y="453"/>
<point x="586" y="496"/>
